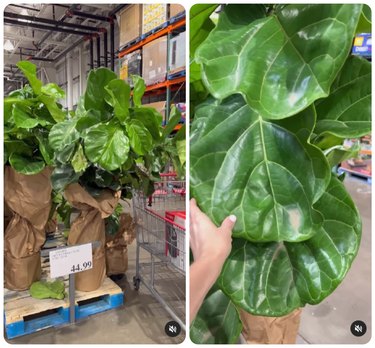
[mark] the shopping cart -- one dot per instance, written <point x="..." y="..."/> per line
<point x="160" y="230"/>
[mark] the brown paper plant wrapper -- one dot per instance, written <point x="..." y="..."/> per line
<point x="28" y="197"/>
<point x="270" y="330"/>
<point x="89" y="227"/>
<point x="116" y="251"/>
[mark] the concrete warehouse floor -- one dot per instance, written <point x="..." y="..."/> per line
<point x="329" y="322"/>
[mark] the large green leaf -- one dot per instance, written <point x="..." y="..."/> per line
<point x="53" y="90"/>
<point x="173" y="121"/>
<point x="273" y="279"/>
<point x="338" y="154"/>
<point x="346" y="113"/>
<point x="22" y="117"/>
<point x="63" y="134"/>
<point x="150" y="118"/>
<point x="265" y="173"/>
<point x="95" y="90"/>
<point x="364" y="23"/>
<point x="107" y="145"/>
<point x="79" y="161"/>
<point x="217" y="321"/>
<point x="44" y="148"/>
<point x="26" y="165"/>
<point x="29" y="70"/>
<point x="140" y="138"/>
<point x="280" y="63"/>
<point x="89" y="119"/>
<point x="200" y="24"/>
<point x="10" y="102"/>
<point x="17" y="146"/>
<point x="58" y="114"/>
<point x="62" y="176"/>
<point x="138" y="90"/>
<point x="119" y="98"/>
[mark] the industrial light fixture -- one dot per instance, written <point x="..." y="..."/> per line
<point x="8" y="45"/>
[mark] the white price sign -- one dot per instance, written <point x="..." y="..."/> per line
<point x="69" y="260"/>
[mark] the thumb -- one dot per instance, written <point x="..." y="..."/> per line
<point x="228" y="223"/>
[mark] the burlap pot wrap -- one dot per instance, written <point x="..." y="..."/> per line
<point x="270" y="330"/>
<point x="89" y="227"/>
<point x="29" y="199"/>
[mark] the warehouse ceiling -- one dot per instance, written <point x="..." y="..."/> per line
<point x="43" y="33"/>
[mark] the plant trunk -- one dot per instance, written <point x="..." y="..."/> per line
<point x="270" y="330"/>
<point x="116" y="251"/>
<point x="89" y="227"/>
<point x="29" y="200"/>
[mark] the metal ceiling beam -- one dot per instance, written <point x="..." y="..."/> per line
<point x="13" y="36"/>
<point x="117" y="9"/>
<point x="44" y="27"/>
<point x="71" y="13"/>
<point x="52" y="22"/>
<point x="25" y="7"/>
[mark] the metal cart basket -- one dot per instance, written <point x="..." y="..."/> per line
<point x="161" y="233"/>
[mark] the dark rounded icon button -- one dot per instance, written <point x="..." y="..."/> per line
<point x="172" y="328"/>
<point x="358" y="328"/>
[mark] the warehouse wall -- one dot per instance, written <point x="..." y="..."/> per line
<point x="69" y="68"/>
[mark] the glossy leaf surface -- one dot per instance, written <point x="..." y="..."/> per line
<point x="25" y="165"/>
<point x="140" y="138"/>
<point x="95" y="93"/>
<point x="29" y="70"/>
<point x="106" y="145"/>
<point x="138" y="90"/>
<point x="119" y="97"/>
<point x="63" y="134"/>
<point x="346" y="113"/>
<point x="280" y="63"/>
<point x="241" y="164"/>
<point x="273" y="279"/>
<point x="217" y="321"/>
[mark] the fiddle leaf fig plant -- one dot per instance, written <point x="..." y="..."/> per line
<point x="29" y="115"/>
<point x="283" y="92"/>
<point x="108" y="143"/>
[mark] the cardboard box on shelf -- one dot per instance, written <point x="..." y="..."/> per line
<point x="177" y="53"/>
<point x="154" y="66"/>
<point x="130" y="24"/>
<point x="131" y="64"/>
<point x="175" y="9"/>
<point x="153" y="15"/>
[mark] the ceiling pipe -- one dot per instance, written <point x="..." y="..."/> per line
<point x="25" y="7"/>
<point x="98" y="64"/>
<point x="117" y="9"/>
<point x="105" y="44"/>
<point x="112" y="39"/>
<point x="62" y="19"/>
<point x="73" y="12"/>
<point x="44" y="27"/>
<point x="70" y="48"/>
<point x="39" y="59"/>
<point x="91" y="53"/>
<point x="51" y="22"/>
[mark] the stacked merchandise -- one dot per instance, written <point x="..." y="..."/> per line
<point x="130" y="24"/>
<point x="153" y="15"/>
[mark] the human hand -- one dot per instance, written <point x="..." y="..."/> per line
<point x="208" y="241"/>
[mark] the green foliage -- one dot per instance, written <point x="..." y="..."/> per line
<point x="29" y="115"/>
<point x="44" y="289"/>
<point x="285" y="93"/>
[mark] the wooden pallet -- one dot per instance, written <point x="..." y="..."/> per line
<point x="24" y="314"/>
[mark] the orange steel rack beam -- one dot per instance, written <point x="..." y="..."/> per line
<point x="152" y="37"/>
